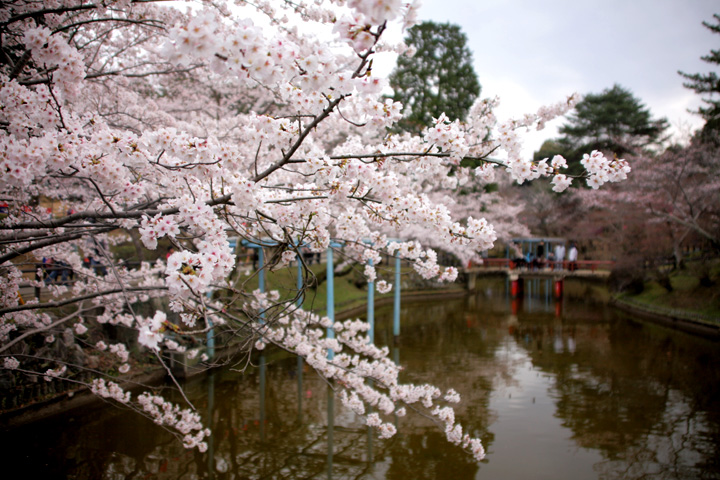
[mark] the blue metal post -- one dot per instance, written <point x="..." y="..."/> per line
<point x="210" y="409"/>
<point x="299" y="281"/>
<point x="263" y="383"/>
<point x="330" y="430"/>
<point x="371" y="309"/>
<point x="396" y="309"/>
<point x="330" y="268"/>
<point x="261" y="270"/>
<point x="547" y="293"/>
<point x="299" y="358"/>
<point x="261" y="277"/>
<point x="210" y="350"/>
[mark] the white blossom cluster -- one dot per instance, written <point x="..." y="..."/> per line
<point x="186" y="421"/>
<point x="602" y="170"/>
<point x="151" y="330"/>
<point x="111" y="390"/>
<point x="52" y="373"/>
<point x="160" y="411"/>
<point x="363" y="372"/>
<point x="54" y="50"/>
<point x="10" y="363"/>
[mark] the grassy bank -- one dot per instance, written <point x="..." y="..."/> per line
<point x="350" y="290"/>
<point x="690" y="296"/>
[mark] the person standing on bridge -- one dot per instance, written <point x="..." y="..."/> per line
<point x="517" y="256"/>
<point x="572" y="257"/>
<point x="539" y="262"/>
<point x="559" y="256"/>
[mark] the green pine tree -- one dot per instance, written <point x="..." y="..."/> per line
<point x="438" y="78"/>
<point x="613" y="121"/>
<point x="708" y="84"/>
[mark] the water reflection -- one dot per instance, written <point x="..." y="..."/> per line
<point x="555" y="390"/>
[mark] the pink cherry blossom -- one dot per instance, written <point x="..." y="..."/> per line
<point x="151" y="125"/>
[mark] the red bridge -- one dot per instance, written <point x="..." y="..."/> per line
<point x="557" y="271"/>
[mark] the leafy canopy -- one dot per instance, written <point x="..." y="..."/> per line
<point x="438" y="78"/>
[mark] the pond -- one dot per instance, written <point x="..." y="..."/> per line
<point x="567" y="389"/>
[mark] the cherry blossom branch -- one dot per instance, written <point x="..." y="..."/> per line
<point x="16" y="252"/>
<point x="113" y="132"/>
<point x="689" y="224"/>
<point x="80" y="298"/>
<point x="301" y="138"/>
<point x="44" y="328"/>
<point x="149" y="23"/>
<point x="92" y="76"/>
<point x="174" y="380"/>
<point x="61" y="10"/>
<point x="46" y="11"/>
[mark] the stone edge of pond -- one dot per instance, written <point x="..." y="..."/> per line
<point x="82" y="397"/>
<point x="702" y="325"/>
<point x="71" y="400"/>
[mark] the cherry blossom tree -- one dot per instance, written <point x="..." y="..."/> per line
<point x="682" y="188"/>
<point x="188" y="125"/>
<point x="671" y="201"/>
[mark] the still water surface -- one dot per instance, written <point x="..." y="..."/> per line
<point x="567" y="390"/>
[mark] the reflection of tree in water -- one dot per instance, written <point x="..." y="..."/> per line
<point x="296" y="446"/>
<point x="289" y="444"/>
<point x="646" y="398"/>
<point x="632" y="391"/>
<point x="448" y="345"/>
<point x="95" y="442"/>
<point x="458" y="351"/>
<point x="438" y="460"/>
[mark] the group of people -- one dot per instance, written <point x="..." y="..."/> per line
<point x="539" y="260"/>
<point x="52" y="270"/>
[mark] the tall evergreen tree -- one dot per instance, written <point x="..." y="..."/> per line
<point x="708" y="83"/>
<point x="612" y="121"/>
<point x="438" y="78"/>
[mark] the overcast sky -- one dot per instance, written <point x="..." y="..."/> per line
<point x="536" y="52"/>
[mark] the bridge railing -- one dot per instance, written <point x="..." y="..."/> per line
<point x="494" y="263"/>
<point x="592" y="265"/>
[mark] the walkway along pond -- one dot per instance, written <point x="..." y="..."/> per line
<point x="556" y="389"/>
